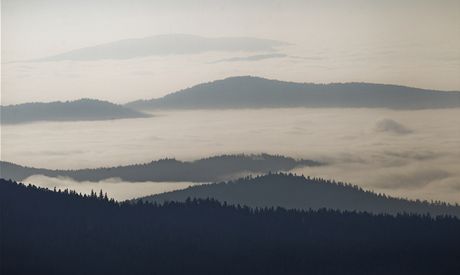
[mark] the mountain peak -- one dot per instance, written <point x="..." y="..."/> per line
<point x="299" y="192"/>
<point x="257" y="92"/>
<point x="74" y="110"/>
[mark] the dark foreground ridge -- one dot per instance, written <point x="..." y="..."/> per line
<point x="256" y="92"/>
<point x="46" y="232"/>
<point x="78" y="110"/>
<point x="298" y="192"/>
<point x="215" y="168"/>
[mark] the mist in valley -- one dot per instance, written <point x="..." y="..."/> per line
<point x="115" y="188"/>
<point x="413" y="154"/>
<point x="230" y="137"/>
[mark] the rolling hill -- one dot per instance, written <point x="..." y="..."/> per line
<point x="203" y="170"/>
<point x="256" y="92"/>
<point x="298" y="192"/>
<point x="78" y="110"/>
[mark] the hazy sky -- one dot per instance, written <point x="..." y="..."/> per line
<point x="412" y="42"/>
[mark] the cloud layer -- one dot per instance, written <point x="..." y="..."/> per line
<point x="115" y="188"/>
<point x="257" y="57"/>
<point x="423" y="164"/>
<point x="390" y="126"/>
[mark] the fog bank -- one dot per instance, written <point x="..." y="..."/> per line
<point x="114" y="188"/>
<point x="421" y="164"/>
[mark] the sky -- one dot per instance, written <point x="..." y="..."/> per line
<point x="411" y="42"/>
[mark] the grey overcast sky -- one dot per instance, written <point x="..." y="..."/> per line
<point x="408" y="42"/>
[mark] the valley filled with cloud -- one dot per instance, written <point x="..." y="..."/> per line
<point x="412" y="154"/>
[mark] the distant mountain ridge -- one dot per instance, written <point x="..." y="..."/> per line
<point x="77" y="110"/>
<point x="256" y="92"/>
<point x="164" y="45"/>
<point x="239" y="92"/>
<point x="298" y="192"/>
<point x="203" y="170"/>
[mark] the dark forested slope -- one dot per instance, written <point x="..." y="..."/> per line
<point x="298" y="192"/>
<point x="46" y="232"/>
<point x="202" y="170"/>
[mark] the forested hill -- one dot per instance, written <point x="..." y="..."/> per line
<point x="298" y="192"/>
<point x="46" y="232"/>
<point x="203" y="170"/>
<point x="256" y="92"/>
<point x="78" y="110"/>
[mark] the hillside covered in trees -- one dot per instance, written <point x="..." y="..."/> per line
<point x="77" y="110"/>
<point x="256" y="92"/>
<point x="49" y="232"/>
<point x="203" y="170"/>
<point x="299" y="192"/>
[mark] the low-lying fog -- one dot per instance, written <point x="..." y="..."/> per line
<point x="413" y="154"/>
<point x="113" y="187"/>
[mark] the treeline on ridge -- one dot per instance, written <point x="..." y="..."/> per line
<point x="47" y="232"/>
